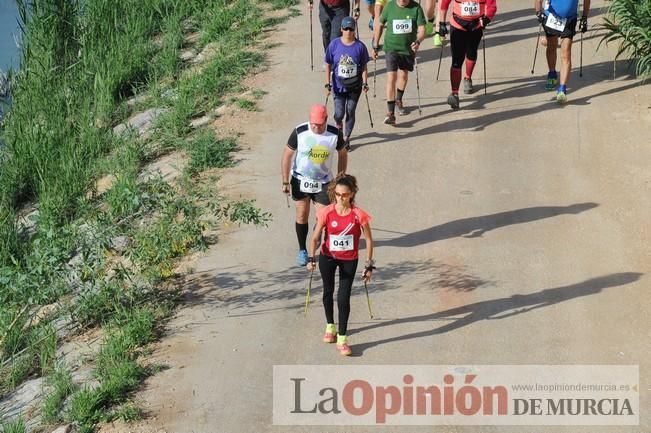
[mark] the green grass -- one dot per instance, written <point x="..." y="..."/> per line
<point x="118" y="370"/>
<point x="207" y="151"/>
<point x="17" y="426"/>
<point x="60" y="386"/>
<point x="78" y="67"/>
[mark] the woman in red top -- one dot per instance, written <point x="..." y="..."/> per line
<point x="343" y="224"/>
<point x="469" y="18"/>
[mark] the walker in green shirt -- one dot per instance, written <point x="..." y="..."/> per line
<point x="402" y="26"/>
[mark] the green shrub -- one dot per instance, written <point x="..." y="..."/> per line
<point x="629" y="24"/>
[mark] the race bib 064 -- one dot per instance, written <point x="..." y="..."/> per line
<point x="401" y="27"/>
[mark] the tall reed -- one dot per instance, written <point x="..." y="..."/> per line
<point x="629" y="23"/>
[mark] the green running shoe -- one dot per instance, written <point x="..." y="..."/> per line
<point x="342" y="345"/>
<point x="561" y="97"/>
<point x="330" y="335"/>
<point x="429" y="29"/>
<point x="551" y="83"/>
<point x="438" y="40"/>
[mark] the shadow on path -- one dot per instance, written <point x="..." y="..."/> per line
<point x="244" y="291"/>
<point x="478" y="118"/>
<point x="497" y="308"/>
<point x="476" y="226"/>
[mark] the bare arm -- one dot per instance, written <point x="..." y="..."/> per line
<point x="311" y="249"/>
<point x="285" y="167"/>
<point x="366" y="273"/>
<point x="537" y="5"/>
<point x="342" y="161"/>
<point x="369" y="241"/>
<point x="586" y="8"/>
<point x="328" y="74"/>
<point x="365" y="74"/>
<point x="377" y="33"/>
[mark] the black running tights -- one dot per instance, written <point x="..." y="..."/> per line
<point x="347" y="268"/>
<point x="464" y="44"/>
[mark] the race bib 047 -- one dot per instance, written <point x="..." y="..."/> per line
<point x="347" y="71"/>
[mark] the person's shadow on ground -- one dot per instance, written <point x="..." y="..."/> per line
<point x="484" y="118"/>
<point x="473" y="227"/>
<point x="496" y="309"/>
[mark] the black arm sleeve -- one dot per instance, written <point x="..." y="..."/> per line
<point x="292" y="142"/>
<point x="340" y="140"/>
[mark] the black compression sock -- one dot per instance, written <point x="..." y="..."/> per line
<point x="391" y="105"/>
<point x="400" y="93"/>
<point x="301" y="234"/>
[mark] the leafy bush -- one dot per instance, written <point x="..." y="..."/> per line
<point x="629" y="23"/>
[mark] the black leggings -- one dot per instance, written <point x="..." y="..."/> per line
<point x="347" y="268"/>
<point x="464" y="44"/>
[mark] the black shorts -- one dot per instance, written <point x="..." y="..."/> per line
<point x="320" y="197"/>
<point x="568" y="32"/>
<point x="395" y="61"/>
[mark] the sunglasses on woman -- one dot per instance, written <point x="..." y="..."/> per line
<point x="342" y="194"/>
<point x="348" y="29"/>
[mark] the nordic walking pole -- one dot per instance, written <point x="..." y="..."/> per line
<point x="374" y="74"/>
<point x="417" y="85"/>
<point x="368" y="107"/>
<point x="581" y="58"/>
<point x="440" y="59"/>
<point x="536" y="52"/>
<point x="484" y="50"/>
<point x="368" y="300"/>
<point x="311" y="40"/>
<point x="307" y="297"/>
<point x="326" y="101"/>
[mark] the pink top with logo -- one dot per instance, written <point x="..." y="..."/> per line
<point x="342" y="233"/>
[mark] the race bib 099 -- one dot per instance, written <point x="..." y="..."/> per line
<point x="401" y="27"/>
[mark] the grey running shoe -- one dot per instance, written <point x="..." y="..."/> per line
<point x="467" y="86"/>
<point x="400" y="106"/>
<point x="453" y="100"/>
<point x="390" y="119"/>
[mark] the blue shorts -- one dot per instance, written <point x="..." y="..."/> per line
<point x="369" y="2"/>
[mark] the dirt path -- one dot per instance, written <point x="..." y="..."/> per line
<point x="532" y="216"/>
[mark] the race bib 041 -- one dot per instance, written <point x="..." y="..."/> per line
<point x="341" y="243"/>
<point x="401" y="27"/>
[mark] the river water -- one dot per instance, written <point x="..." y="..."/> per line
<point x="9" y="33"/>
